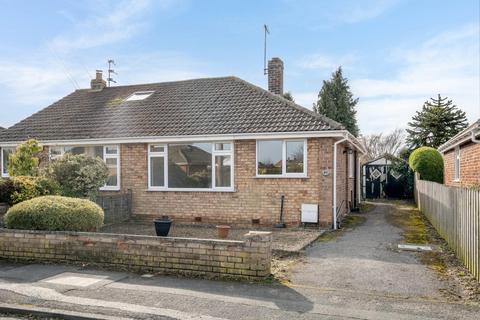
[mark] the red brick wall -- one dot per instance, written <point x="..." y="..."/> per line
<point x="469" y="166"/>
<point x="254" y="198"/>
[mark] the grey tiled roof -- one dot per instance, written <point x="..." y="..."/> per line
<point x="208" y="106"/>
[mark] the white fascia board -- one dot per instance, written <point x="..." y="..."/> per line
<point x="192" y="138"/>
<point x="461" y="137"/>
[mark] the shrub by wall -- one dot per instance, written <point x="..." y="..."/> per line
<point x="428" y="162"/>
<point x="55" y="213"/>
<point x="26" y="188"/>
<point x="7" y="188"/>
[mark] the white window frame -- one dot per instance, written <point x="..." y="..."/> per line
<point x="4" y="170"/>
<point x="284" y="173"/>
<point x="105" y="156"/>
<point x="456" y="163"/>
<point x="158" y="154"/>
<point x="215" y="153"/>
<point x="139" y="96"/>
<point x="112" y="156"/>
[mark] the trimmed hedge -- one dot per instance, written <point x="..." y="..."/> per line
<point x="55" y="213"/>
<point x="428" y="162"/>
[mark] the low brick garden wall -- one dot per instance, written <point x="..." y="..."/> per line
<point x="248" y="259"/>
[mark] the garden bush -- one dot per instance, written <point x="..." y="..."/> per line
<point x="24" y="161"/>
<point x="78" y="175"/>
<point x="55" y="213"/>
<point x="428" y="162"/>
<point x="26" y="188"/>
<point x="7" y="188"/>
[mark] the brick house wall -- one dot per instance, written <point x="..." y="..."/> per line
<point x="254" y="198"/>
<point x="469" y="166"/>
<point x="345" y="184"/>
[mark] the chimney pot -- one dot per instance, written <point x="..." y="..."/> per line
<point x="98" y="83"/>
<point x="275" y="76"/>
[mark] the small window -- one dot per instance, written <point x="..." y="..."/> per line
<point x="351" y="164"/>
<point x="457" y="163"/>
<point x="222" y="146"/>
<point x="140" y="95"/>
<point x="281" y="158"/>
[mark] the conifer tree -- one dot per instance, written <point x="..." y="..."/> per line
<point x="437" y="122"/>
<point x="335" y="100"/>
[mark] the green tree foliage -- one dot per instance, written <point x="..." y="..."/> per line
<point x="335" y="100"/>
<point x="55" y="213"/>
<point x="24" y="161"/>
<point x="78" y="175"/>
<point x="437" y="122"/>
<point x="428" y="162"/>
<point x="288" y="95"/>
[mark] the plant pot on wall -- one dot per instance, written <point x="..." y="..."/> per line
<point x="162" y="226"/>
<point x="223" y="231"/>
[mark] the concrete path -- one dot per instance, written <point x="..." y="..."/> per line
<point x="356" y="277"/>
<point x="366" y="260"/>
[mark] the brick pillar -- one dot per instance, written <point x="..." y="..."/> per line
<point x="275" y="76"/>
<point x="259" y="245"/>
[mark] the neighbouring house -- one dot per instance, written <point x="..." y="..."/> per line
<point x="215" y="150"/>
<point x="461" y="156"/>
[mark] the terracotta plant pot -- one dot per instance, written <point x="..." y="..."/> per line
<point x="223" y="231"/>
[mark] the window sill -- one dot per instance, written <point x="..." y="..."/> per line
<point x="188" y="190"/>
<point x="110" y="189"/>
<point x="281" y="177"/>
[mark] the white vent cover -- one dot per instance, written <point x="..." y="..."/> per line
<point x="309" y="213"/>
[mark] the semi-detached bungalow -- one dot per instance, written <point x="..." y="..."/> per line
<point x="219" y="150"/>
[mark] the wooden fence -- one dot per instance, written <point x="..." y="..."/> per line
<point x="455" y="214"/>
<point x="117" y="207"/>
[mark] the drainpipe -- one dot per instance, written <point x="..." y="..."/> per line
<point x="334" y="204"/>
<point x="475" y="140"/>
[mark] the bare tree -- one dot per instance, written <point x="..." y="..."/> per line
<point x="380" y="144"/>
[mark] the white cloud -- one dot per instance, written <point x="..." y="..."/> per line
<point x="105" y="26"/>
<point x="448" y="64"/>
<point x="326" y="62"/>
<point x="363" y="10"/>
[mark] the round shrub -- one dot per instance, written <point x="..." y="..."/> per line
<point x="428" y="162"/>
<point x="55" y="213"/>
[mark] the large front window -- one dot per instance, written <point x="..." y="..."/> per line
<point x="283" y="158"/>
<point x="109" y="154"/>
<point x="190" y="166"/>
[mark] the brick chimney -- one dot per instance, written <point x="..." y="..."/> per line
<point x="98" y="83"/>
<point x="275" y="76"/>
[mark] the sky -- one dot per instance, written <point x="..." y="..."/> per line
<point x="395" y="53"/>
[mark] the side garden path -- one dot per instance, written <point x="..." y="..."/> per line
<point x="367" y="259"/>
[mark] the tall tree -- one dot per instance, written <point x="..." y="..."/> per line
<point x="437" y="122"/>
<point x="335" y="100"/>
<point x="381" y="144"/>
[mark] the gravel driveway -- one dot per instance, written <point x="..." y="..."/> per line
<point x="365" y="260"/>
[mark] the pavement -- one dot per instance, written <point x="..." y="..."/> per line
<point x="357" y="276"/>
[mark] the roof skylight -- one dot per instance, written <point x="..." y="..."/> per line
<point x="139" y="95"/>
